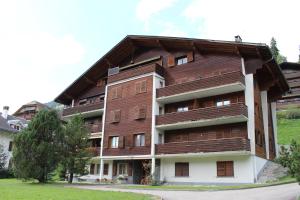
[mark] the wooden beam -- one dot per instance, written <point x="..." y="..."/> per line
<point x="89" y="80"/>
<point x="238" y="52"/>
<point x="69" y="96"/>
<point x="108" y="62"/>
<point x="162" y="45"/>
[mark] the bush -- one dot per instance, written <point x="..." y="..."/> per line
<point x="294" y="114"/>
<point x="5" y="173"/>
<point x="290" y="158"/>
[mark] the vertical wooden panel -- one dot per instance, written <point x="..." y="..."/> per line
<point x="190" y="56"/>
<point x="171" y="61"/>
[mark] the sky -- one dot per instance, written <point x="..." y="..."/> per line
<point x="46" y="44"/>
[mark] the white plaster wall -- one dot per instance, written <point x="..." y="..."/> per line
<point x="204" y="170"/>
<point x="5" y="138"/>
<point x="265" y="113"/>
<point x="274" y="118"/>
<point x="260" y="163"/>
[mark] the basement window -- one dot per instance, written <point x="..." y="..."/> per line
<point x="181" y="60"/>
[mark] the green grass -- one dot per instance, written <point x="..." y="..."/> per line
<point x="288" y="129"/>
<point x="284" y="180"/>
<point x="12" y="189"/>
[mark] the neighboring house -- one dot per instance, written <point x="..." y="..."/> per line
<point x="291" y="71"/>
<point x="28" y="111"/>
<point x="9" y="127"/>
<point x="198" y="111"/>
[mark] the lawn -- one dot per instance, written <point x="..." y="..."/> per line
<point x="288" y="129"/>
<point x="12" y="189"/>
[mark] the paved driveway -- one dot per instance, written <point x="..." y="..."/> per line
<point x="280" y="192"/>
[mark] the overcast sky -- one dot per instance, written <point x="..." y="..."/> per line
<point x="46" y="44"/>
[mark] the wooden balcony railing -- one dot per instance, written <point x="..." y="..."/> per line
<point x="136" y="71"/>
<point x="94" y="151"/>
<point x="94" y="128"/>
<point x="204" y="146"/>
<point x="83" y="108"/>
<point x="202" y="83"/>
<point x="231" y="110"/>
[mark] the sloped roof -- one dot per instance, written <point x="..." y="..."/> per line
<point x="31" y="103"/>
<point x="4" y="126"/>
<point x="132" y="43"/>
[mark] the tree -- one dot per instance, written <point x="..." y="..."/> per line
<point x="76" y="145"/>
<point x="290" y="158"/>
<point x="37" y="149"/>
<point x="3" y="158"/>
<point x="276" y="53"/>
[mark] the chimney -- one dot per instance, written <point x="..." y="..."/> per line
<point x="237" y="38"/>
<point x="5" y="112"/>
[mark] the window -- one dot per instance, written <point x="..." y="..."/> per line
<point x="223" y="103"/>
<point x="92" y="169"/>
<point x="82" y="101"/>
<point x="181" y="60"/>
<point x="10" y="146"/>
<point x="116" y="92"/>
<point x="115" y="116"/>
<point x="225" y="168"/>
<point x="140" y="112"/>
<point x="141" y="87"/>
<point x="114" y="142"/>
<point x="181" y="169"/>
<point x="139" y="140"/>
<point x="160" y="138"/>
<point x="105" y="169"/>
<point x="122" y="169"/>
<point x="182" y="109"/>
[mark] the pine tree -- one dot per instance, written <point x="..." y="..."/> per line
<point x="76" y="154"/>
<point x="275" y="52"/>
<point x="37" y="149"/>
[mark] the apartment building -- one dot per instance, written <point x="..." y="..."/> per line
<point x="188" y="110"/>
<point x="291" y="72"/>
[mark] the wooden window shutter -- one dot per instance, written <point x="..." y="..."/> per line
<point x="177" y="169"/>
<point x="129" y="169"/>
<point x="221" y="168"/>
<point x="92" y="169"/>
<point x="190" y="56"/>
<point x="138" y="87"/>
<point x="113" y="93"/>
<point x="143" y="86"/>
<point x="229" y="168"/>
<point x="115" y="169"/>
<point x="121" y="142"/>
<point x="119" y="92"/>
<point x="142" y="110"/>
<point x="181" y="169"/>
<point x="117" y="115"/>
<point x="171" y="61"/>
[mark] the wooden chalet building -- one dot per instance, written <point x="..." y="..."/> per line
<point x="291" y="71"/>
<point x="198" y="111"/>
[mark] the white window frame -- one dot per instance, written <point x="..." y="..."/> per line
<point x="223" y="103"/>
<point x="183" y="109"/>
<point x="125" y="170"/>
<point x="182" y="60"/>
<point x="114" y="142"/>
<point x="137" y="140"/>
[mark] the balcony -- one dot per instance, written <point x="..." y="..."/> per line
<point x="204" y="87"/>
<point x="232" y="113"/>
<point x="94" y="151"/>
<point x="87" y="110"/>
<point x="94" y="130"/>
<point x="204" y="146"/>
<point x="136" y="71"/>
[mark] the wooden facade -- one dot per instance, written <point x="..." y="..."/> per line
<point x="147" y="84"/>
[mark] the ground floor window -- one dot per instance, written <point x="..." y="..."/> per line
<point x="225" y="168"/>
<point x="98" y="169"/>
<point x="181" y="169"/>
<point x="105" y="169"/>
<point x="92" y="169"/>
<point x="122" y="169"/>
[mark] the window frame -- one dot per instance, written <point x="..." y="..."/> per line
<point x="140" y="143"/>
<point x="221" y="103"/>
<point x="114" y="142"/>
<point x="125" y="170"/>
<point x="181" y="60"/>
<point x="226" y="165"/>
<point x="182" y="169"/>
<point x="183" y="109"/>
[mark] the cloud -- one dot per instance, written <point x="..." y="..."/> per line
<point x="32" y="59"/>
<point x="146" y="9"/>
<point x="255" y="21"/>
<point x="170" y="29"/>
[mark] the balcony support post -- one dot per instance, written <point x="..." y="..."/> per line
<point x="101" y="170"/>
